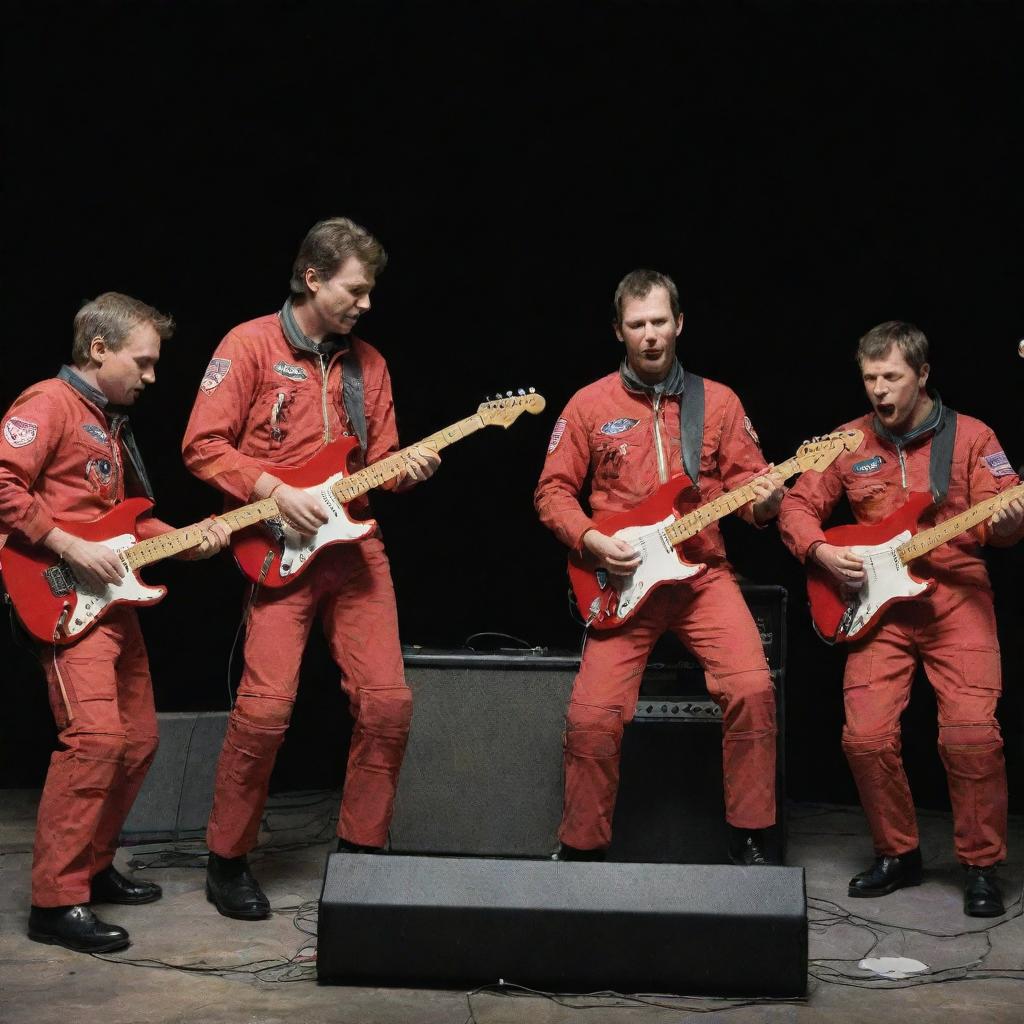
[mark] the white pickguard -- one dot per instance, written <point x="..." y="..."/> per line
<point x="92" y="604"/>
<point x="885" y="578"/>
<point x="658" y="564"/>
<point x="296" y="550"/>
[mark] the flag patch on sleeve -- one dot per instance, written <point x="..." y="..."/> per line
<point x="999" y="464"/>
<point x="20" y="432"/>
<point x="556" y="435"/>
<point x="215" y="373"/>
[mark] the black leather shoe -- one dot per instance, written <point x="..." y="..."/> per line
<point x="566" y="852"/>
<point x="110" y="886"/>
<point x="982" y="897"/>
<point x="747" y="847"/>
<point x="231" y="888"/>
<point x="888" y="874"/>
<point x="75" y="927"/>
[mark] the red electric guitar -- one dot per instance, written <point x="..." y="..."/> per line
<point x="55" y="608"/>
<point x="657" y="527"/>
<point x="888" y="547"/>
<point x="276" y="554"/>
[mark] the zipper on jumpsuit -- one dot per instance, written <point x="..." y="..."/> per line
<point x="903" y="466"/>
<point x="116" y="423"/>
<point x="323" y="397"/>
<point x="658" y="446"/>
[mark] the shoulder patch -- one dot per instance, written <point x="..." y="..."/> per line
<point x="872" y="465"/>
<point x="619" y="426"/>
<point x="749" y="428"/>
<point x="290" y="371"/>
<point x="215" y="373"/>
<point x="998" y="464"/>
<point x="93" y="430"/>
<point x="19" y="432"/>
<point x="556" y="435"/>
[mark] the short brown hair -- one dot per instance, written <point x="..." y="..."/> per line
<point x="327" y="245"/>
<point x="637" y="284"/>
<point x="112" y="317"/>
<point x="910" y="340"/>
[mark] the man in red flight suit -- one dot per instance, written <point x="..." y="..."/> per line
<point x="276" y="391"/>
<point x="629" y="431"/>
<point x="952" y="630"/>
<point x="67" y="451"/>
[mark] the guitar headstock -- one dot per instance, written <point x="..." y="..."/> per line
<point x="504" y="410"/>
<point x="820" y="452"/>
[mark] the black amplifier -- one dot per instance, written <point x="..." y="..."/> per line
<point x="483" y="769"/>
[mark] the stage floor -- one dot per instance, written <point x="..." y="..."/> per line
<point x="188" y="964"/>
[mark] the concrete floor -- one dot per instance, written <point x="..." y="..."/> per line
<point x="188" y="964"/>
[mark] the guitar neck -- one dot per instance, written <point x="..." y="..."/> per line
<point x="379" y="473"/>
<point x="166" y="545"/>
<point x="927" y="540"/>
<point x="692" y="523"/>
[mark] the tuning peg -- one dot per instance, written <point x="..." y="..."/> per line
<point x="508" y="394"/>
<point x="533" y="390"/>
<point x="520" y="392"/>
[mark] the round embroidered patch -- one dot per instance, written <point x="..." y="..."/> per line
<point x="19" y="432"/>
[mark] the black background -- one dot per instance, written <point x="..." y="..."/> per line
<point x="804" y="171"/>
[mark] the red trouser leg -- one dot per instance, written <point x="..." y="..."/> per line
<point x="711" y="617"/>
<point x="138" y="719"/>
<point x="361" y="624"/>
<point x="954" y="632"/>
<point x="876" y="690"/>
<point x="351" y="583"/>
<point x="713" y="620"/>
<point x="276" y="634"/>
<point x="108" y="736"/>
<point x="960" y="652"/>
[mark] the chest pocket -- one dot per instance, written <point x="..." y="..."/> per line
<point x="99" y="466"/>
<point x="273" y="413"/>
<point x="868" y="498"/>
<point x="614" y="454"/>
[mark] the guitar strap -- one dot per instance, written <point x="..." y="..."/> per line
<point x="691" y="424"/>
<point x="120" y="431"/>
<point x="941" y="457"/>
<point x="353" y="393"/>
<point x="941" y="424"/>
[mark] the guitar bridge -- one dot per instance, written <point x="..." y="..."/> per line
<point x="60" y="579"/>
<point x="846" y="621"/>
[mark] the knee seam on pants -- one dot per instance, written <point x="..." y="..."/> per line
<point x="870" y="744"/>
<point x="385" y="712"/>
<point x="278" y="714"/>
<point x="592" y="731"/>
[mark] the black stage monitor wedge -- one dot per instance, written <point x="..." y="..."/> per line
<point x="563" y="926"/>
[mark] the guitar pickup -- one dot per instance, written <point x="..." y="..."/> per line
<point x="60" y="579"/>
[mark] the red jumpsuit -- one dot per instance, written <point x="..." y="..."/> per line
<point x="629" y="447"/>
<point x="62" y="456"/>
<point x="952" y="631"/>
<point x="265" y="402"/>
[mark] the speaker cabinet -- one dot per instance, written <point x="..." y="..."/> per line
<point x="175" y="799"/>
<point x="460" y="922"/>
